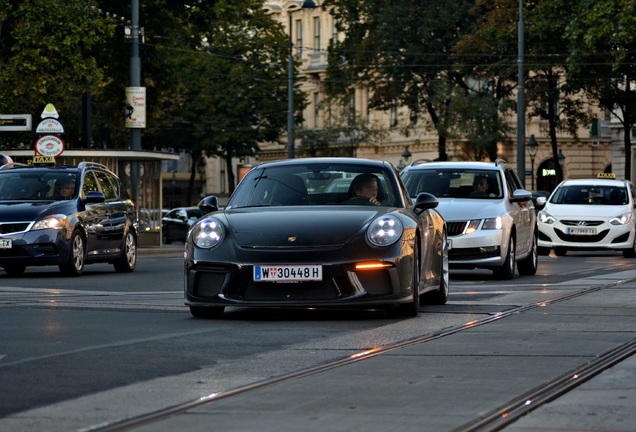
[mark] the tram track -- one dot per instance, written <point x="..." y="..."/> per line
<point x="494" y="420"/>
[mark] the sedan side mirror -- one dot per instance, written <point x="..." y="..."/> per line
<point x="425" y="201"/>
<point x="209" y="204"/>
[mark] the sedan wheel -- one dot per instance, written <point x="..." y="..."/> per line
<point x="507" y="270"/>
<point x="412" y="308"/>
<point x="128" y="258"/>
<point x="76" y="257"/>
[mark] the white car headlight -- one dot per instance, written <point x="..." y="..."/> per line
<point x="208" y="233"/>
<point x="51" y="222"/>
<point x="546" y="218"/>
<point x="473" y="225"/>
<point x="385" y="231"/>
<point x="492" y="223"/>
<point x="621" y="220"/>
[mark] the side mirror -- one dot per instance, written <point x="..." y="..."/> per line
<point x="521" y="195"/>
<point x="425" y="201"/>
<point x="209" y="204"/>
<point x="94" y="197"/>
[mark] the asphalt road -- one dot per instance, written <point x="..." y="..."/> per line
<point x="82" y="352"/>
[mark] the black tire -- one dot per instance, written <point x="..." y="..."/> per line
<point x="631" y="252"/>
<point x="166" y="237"/>
<point x="74" y="266"/>
<point x="207" y="312"/>
<point x="440" y="295"/>
<point x="127" y="261"/>
<point x="560" y="251"/>
<point x="412" y="308"/>
<point x="528" y="266"/>
<point x="543" y="251"/>
<point x="15" y="269"/>
<point x="507" y="270"/>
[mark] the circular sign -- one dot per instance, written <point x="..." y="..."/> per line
<point x="49" y="145"/>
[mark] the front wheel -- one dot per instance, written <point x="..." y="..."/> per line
<point x="412" y="308"/>
<point x="507" y="270"/>
<point x="127" y="261"/>
<point x="440" y="295"/>
<point x="74" y="266"/>
<point x="15" y="270"/>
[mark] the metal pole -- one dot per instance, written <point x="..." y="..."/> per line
<point x="135" y="81"/>
<point x="532" y="168"/>
<point x="290" y="94"/>
<point x="521" y="103"/>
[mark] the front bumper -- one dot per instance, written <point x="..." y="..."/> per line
<point x="483" y="249"/>
<point x="36" y="248"/>
<point x="607" y="236"/>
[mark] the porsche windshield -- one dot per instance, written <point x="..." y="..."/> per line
<point x="310" y="185"/>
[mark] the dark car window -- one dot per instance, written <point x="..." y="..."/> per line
<point x="90" y="184"/>
<point x="310" y="185"/>
<point x="105" y="184"/>
<point x="453" y="182"/>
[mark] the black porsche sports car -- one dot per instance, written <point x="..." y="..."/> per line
<point x="284" y="239"/>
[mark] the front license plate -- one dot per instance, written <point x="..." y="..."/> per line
<point x="582" y="231"/>
<point x="287" y="273"/>
<point x="5" y="244"/>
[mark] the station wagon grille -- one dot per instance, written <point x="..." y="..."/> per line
<point x="13" y="227"/>
<point x="455" y="228"/>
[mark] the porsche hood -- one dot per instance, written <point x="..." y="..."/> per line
<point x="293" y="227"/>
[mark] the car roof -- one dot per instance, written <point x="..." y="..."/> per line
<point x="593" y="181"/>
<point x="325" y="160"/>
<point x="456" y="164"/>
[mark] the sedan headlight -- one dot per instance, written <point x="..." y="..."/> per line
<point x="208" y="233"/>
<point x="495" y="223"/>
<point x="385" y="231"/>
<point x="51" y="222"/>
<point x="546" y="218"/>
<point x="621" y="220"/>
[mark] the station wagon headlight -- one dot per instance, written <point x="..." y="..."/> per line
<point x="546" y="218"/>
<point x="51" y="222"/>
<point x="385" y="231"/>
<point x="621" y="220"/>
<point x="208" y="233"/>
<point x="492" y="223"/>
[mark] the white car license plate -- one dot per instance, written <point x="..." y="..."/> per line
<point x="582" y="231"/>
<point x="287" y="273"/>
<point x="5" y="244"/>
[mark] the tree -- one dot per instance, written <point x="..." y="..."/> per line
<point x="603" y="59"/>
<point x="401" y="51"/>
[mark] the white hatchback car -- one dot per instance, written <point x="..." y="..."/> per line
<point x="490" y="218"/>
<point x="589" y="214"/>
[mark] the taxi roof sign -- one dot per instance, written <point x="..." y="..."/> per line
<point x="43" y="160"/>
<point x="605" y="175"/>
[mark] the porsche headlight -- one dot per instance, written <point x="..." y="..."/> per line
<point x="385" y="231"/>
<point x="621" y="220"/>
<point x="546" y="218"/>
<point x="51" y="222"/>
<point x="208" y="233"/>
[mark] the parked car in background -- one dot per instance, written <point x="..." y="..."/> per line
<point x="176" y="223"/>
<point x="490" y="217"/>
<point x="589" y="214"/>
<point x="65" y="216"/>
<point x="282" y="241"/>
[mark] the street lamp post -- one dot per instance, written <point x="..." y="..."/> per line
<point x="307" y="4"/>
<point x="201" y="171"/>
<point x="533" y="146"/>
<point x="173" y="182"/>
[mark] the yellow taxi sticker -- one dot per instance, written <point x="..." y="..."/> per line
<point x="42" y="160"/>
<point x="606" y="175"/>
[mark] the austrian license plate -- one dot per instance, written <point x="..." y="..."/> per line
<point x="581" y="231"/>
<point x="5" y="244"/>
<point x="287" y="273"/>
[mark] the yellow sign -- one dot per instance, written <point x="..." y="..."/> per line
<point x="43" y="160"/>
<point x="607" y="175"/>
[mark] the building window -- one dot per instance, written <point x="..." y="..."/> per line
<point x="394" y="117"/>
<point x="334" y="30"/>
<point x="316" y="110"/>
<point x="317" y="34"/>
<point x="299" y="38"/>
<point x="352" y="107"/>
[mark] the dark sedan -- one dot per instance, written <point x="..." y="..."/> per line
<point x="176" y="223"/>
<point x="282" y="241"/>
